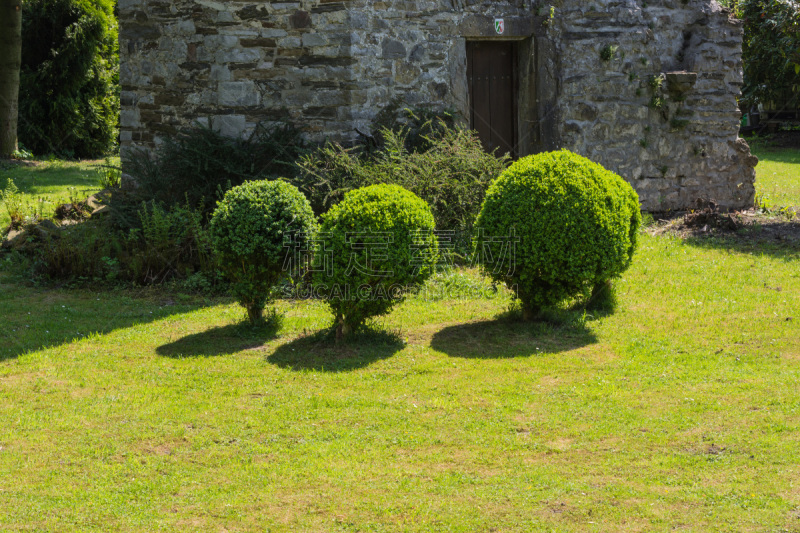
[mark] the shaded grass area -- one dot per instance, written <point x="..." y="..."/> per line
<point x="681" y="410"/>
<point x="771" y="236"/>
<point x="506" y="337"/>
<point x="51" y="181"/>
<point x="777" y="175"/>
<point x="35" y="319"/>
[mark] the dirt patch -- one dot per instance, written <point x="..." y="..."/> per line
<point x="752" y="226"/>
<point x="710" y="216"/>
<point x="163" y="448"/>
<point x="7" y="164"/>
<point x="715" y="450"/>
<point x="75" y="211"/>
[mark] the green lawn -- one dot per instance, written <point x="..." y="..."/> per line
<point x="777" y="176"/>
<point x="148" y="412"/>
<point x="51" y="181"/>
<point x="156" y="411"/>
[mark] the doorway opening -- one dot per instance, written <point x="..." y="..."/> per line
<point x="493" y="83"/>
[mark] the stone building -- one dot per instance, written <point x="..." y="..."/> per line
<point x="646" y="88"/>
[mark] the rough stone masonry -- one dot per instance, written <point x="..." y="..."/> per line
<point x="646" y="88"/>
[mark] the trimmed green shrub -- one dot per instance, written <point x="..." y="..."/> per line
<point x="249" y="232"/>
<point x="378" y="242"/>
<point x="556" y="226"/>
<point x="69" y="77"/>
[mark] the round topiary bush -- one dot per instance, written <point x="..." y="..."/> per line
<point x="379" y="241"/>
<point x="250" y="229"/>
<point x="555" y="226"/>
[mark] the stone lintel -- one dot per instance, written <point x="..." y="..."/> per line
<point x="483" y="27"/>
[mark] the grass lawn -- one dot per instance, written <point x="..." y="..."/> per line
<point x="51" y="181"/>
<point x="777" y="175"/>
<point x="154" y="411"/>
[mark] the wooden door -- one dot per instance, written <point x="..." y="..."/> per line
<point x="492" y="80"/>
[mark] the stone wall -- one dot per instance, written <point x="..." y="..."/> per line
<point x="589" y="77"/>
<point x="233" y="65"/>
<point x="677" y="141"/>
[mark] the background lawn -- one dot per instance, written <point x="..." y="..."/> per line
<point x="152" y="410"/>
<point x="51" y="181"/>
<point x="777" y="175"/>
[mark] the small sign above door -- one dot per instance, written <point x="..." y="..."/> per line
<point x="499" y="26"/>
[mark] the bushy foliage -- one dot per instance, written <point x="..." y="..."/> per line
<point x="69" y="78"/>
<point x="172" y="242"/>
<point x="451" y="174"/>
<point x="329" y="172"/>
<point x="11" y="199"/>
<point x="770" y="51"/>
<point x="109" y="175"/>
<point x="156" y="229"/>
<point x="420" y="127"/>
<point x="250" y="230"/>
<point x="378" y="242"/>
<point x="556" y="226"/>
<point x="169" y="245"/>
<point x="199" y="164"/>
<point x="82" y="252"/>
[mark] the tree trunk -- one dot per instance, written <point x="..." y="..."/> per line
<point x="10" y="60"/>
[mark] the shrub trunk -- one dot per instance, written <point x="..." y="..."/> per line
<point x="343" y="328"/>
<point x="529" y="313"/>
<point x="255" y="313"/>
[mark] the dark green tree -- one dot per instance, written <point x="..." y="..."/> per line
<point x="771" y="49"/>
<point x="69" y="80"/>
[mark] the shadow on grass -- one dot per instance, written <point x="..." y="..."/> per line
<point x="509" y="337"/>
<point x="319" y="351"/>
<point x="780" y="240"/>
<point x="221" y="340"/>
<point x="37" y="318"/>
